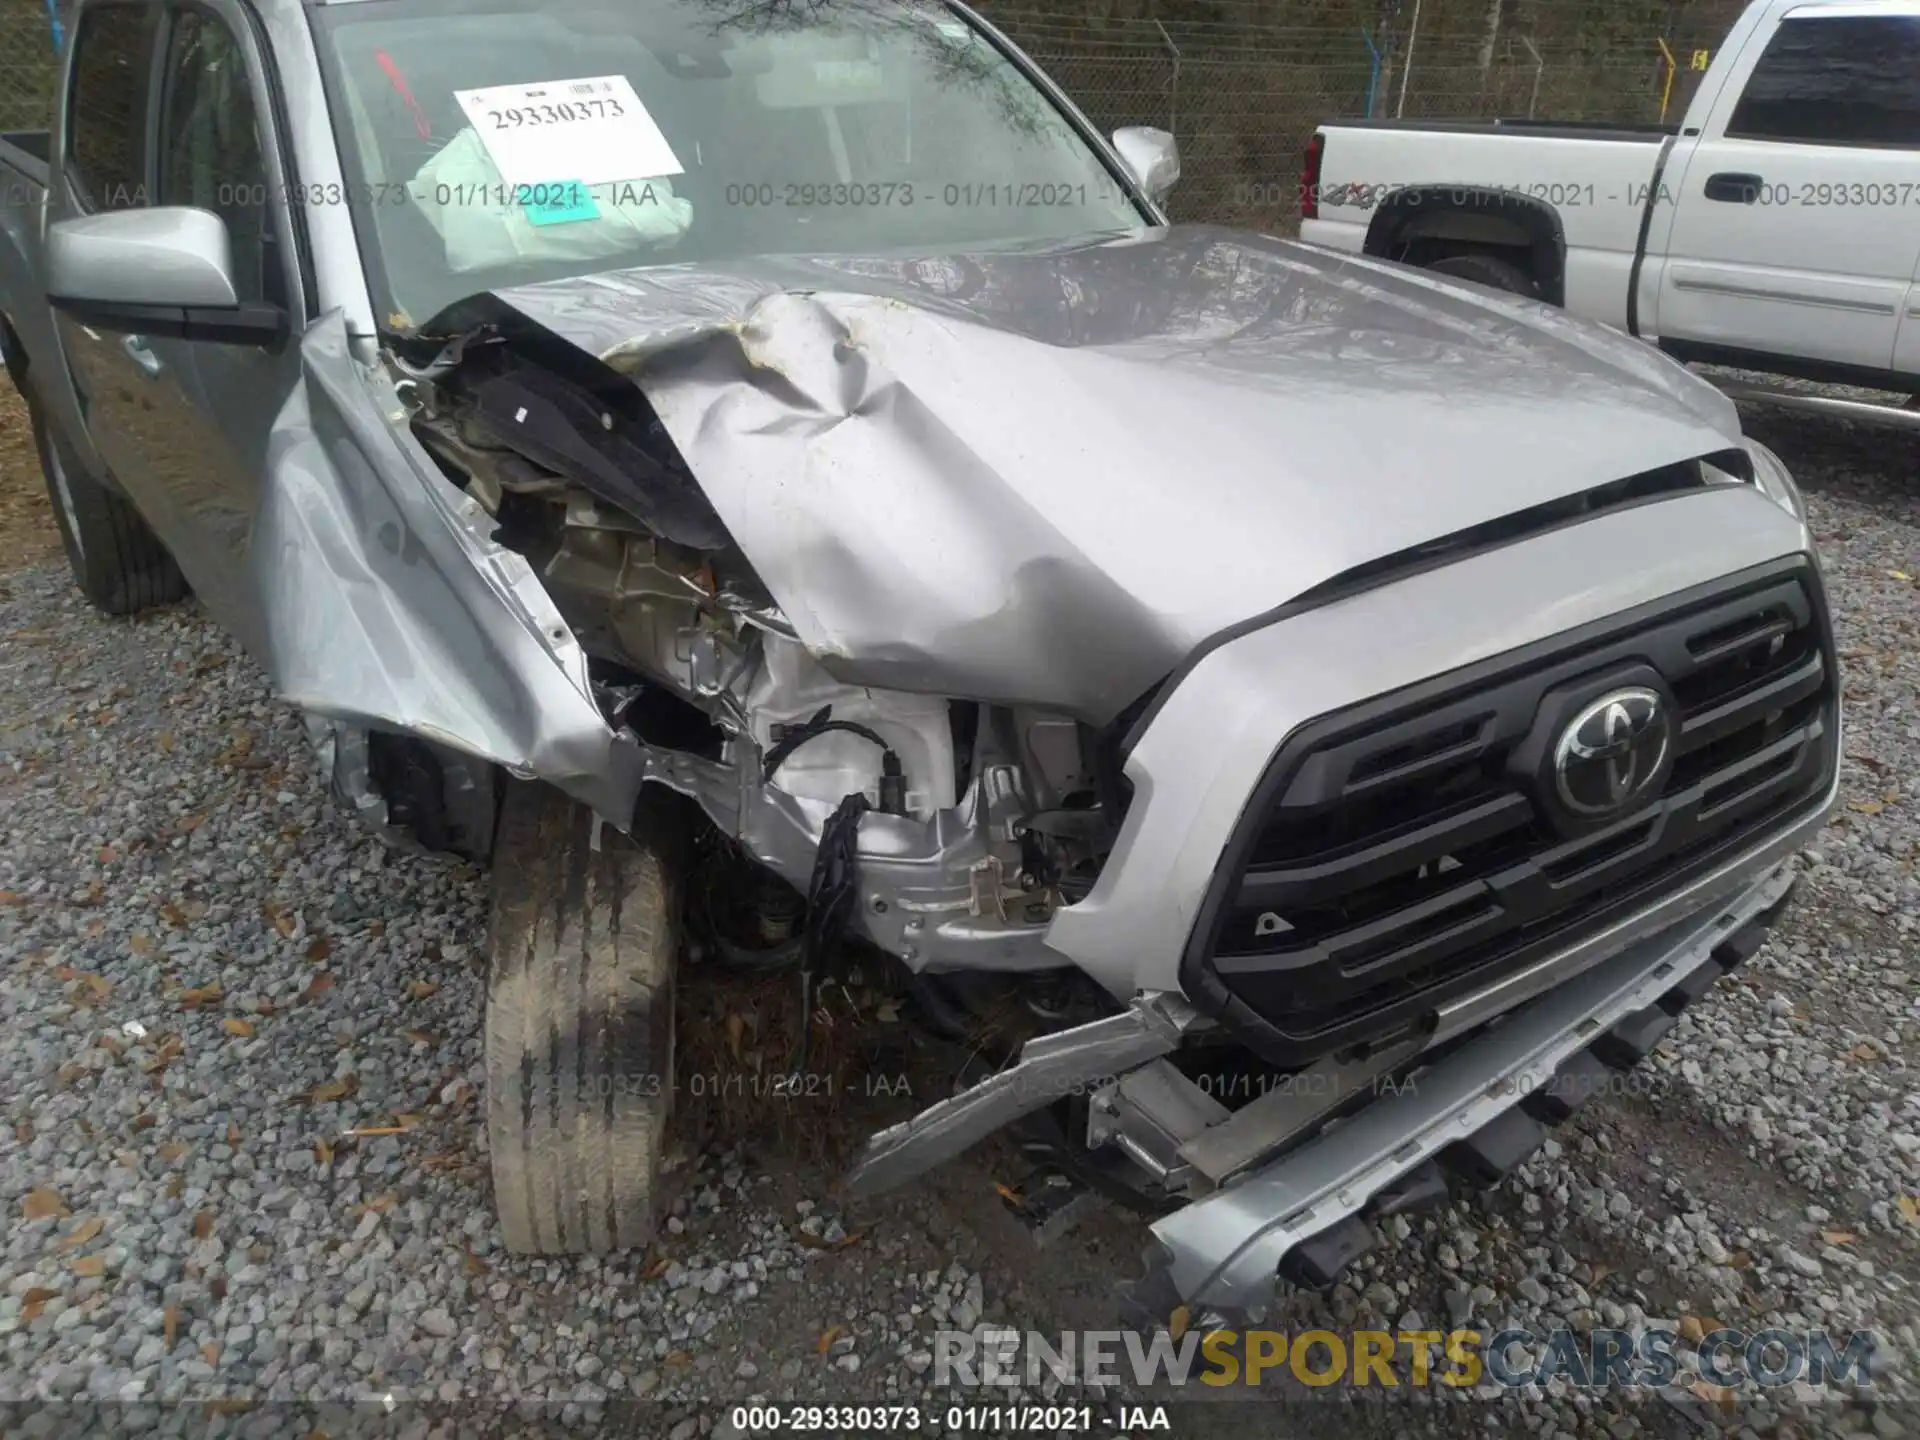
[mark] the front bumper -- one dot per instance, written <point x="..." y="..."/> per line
<point x="1202" y="751"/>
<point x="1479" y="1111"/>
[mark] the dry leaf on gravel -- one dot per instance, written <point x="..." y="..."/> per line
<point x="90" y="1266"/>
<point x="827" y="1337"/>
<point x="43" y="1204"/>
<point x="203" y="1224"/>
<point x="736" y="1032"/>
<point x="421" y="989"/>
<point x="234" y="1025"/>
<point x="82" y="1233"/>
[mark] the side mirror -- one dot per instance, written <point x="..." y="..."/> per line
<point x="1151" y="156"/>
<point x="161" y="270"/>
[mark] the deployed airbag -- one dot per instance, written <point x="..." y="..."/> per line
<point x="484" y="222"/>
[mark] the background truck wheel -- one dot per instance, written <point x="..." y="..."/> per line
<point x="118" y="563"/>
<point x="1489" y="270"/>
<point x="579" y="1030"/>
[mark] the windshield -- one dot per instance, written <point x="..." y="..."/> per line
<point x="503" y="144"/>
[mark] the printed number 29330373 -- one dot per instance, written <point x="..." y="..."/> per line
<point x="592" y="129"/>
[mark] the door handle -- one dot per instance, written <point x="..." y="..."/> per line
<point x="1733" y="186"/>
<point x="137" y="351"/>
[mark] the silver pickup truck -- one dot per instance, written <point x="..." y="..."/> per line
<point x="1307" y="723"/>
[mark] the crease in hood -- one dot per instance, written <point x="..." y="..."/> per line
<point x="1045" y="475"/>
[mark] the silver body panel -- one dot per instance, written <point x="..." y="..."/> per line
<point x="1043" y="478"/>
<point x="995" y="474"/>
<point x="1204" y="750"/>
<point x="1223" y="1251"/>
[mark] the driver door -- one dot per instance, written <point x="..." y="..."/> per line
<point x="213" y="148"/>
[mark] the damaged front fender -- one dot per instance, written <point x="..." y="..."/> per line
<point x="387" y="605"/>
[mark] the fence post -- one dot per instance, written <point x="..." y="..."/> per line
<point x="1373" y="80"/>
<point x="1533" y="99"/>
<point x="1173" y="100"/>
<point x="1406" y="65"/>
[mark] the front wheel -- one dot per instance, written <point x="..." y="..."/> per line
<point x="117" y="561"/>
<point x="579" y="1029"/>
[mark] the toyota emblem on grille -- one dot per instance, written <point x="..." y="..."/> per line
<point x="1612" y="753"/>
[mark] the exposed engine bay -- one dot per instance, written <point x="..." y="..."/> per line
<point x="982" y="820"/>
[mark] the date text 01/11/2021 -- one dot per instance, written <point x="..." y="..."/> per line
<point x="955" y="1419"/>
<point x="782" y="1085"/>
<point x="1581" y="194"/>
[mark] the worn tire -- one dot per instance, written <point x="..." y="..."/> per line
<point x="579" y="1029"/>
<point x="1488" y="270"/>
<point x="117" y="561"/>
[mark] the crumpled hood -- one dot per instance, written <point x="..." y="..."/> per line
<point x="1046" y="475"/>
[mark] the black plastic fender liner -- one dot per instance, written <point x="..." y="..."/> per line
<point x="1630" y="1041"/>
<point x="1580" y="1077"/>
<point x="1418" y="1189"/>
<point x="1738" y="948"/>
<point x="1494" y="1150"/>
<point x="1700" y="980"/>
<point x="1315" y="1263"/>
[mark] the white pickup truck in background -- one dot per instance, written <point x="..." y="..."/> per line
<point x="1775" y="229"/>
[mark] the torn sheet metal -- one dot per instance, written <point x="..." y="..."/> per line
<point x="386" y="605"/>
<point x="1044" y="475"/>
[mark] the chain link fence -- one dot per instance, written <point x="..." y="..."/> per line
<point x="1243" y="83"/>
<point x="1243" y="95"/>
<point x="26" y="65"/>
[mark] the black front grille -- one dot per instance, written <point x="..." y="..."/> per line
<point x="1404" y="852"/>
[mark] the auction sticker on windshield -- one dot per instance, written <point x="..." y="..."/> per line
<point x="593" y="130"/>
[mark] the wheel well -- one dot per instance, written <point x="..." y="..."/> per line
<point x="1419" y="226"/>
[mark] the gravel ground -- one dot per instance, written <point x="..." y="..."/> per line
<point x="208" y="978"/>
